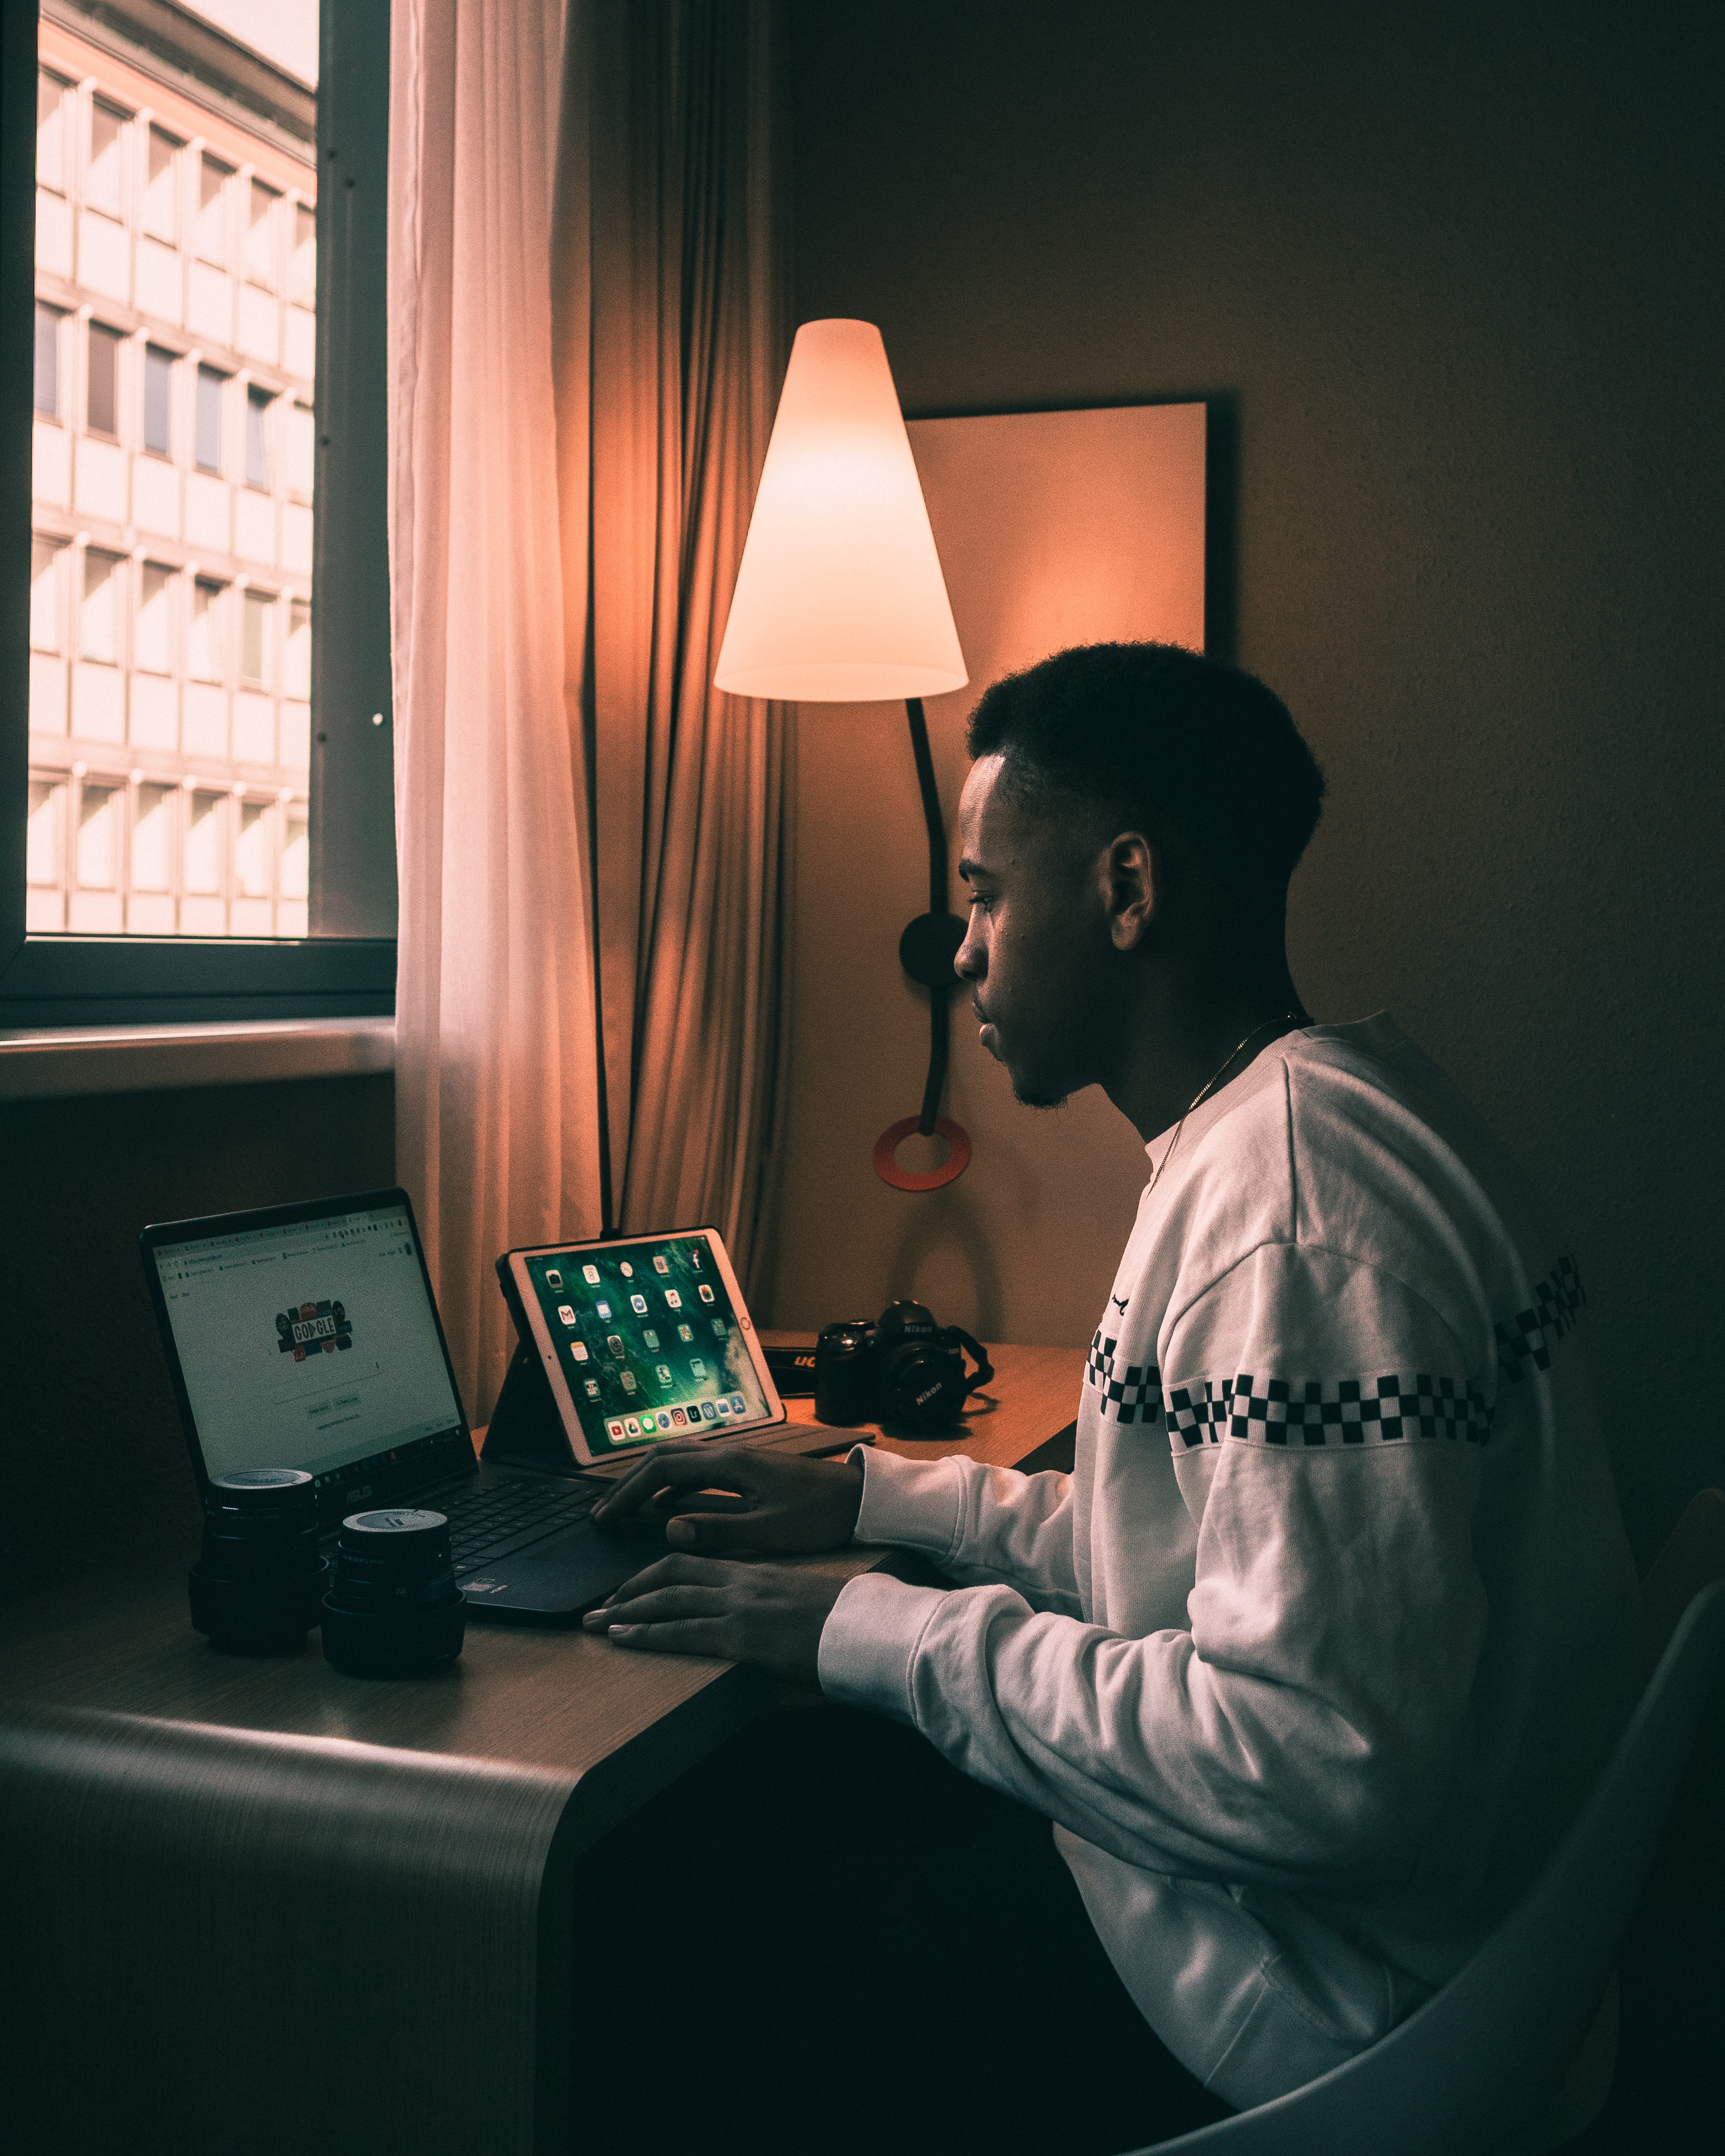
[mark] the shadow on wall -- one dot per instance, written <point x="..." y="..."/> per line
<point x="90" y="1446"/>
<point x="943" y="1259"/>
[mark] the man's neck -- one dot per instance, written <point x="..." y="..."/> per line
<point x="1179" y="1045"/>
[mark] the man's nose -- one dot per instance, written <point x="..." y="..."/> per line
<point x="971" y="963"/>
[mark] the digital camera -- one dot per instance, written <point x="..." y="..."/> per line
<point x="906" y="1372"/>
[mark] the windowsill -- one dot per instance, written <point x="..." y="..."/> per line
<point x="55" y="1063"/>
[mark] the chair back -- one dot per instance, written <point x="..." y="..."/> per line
<point x="1474" y="2071"/>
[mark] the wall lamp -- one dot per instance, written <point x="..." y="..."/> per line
<point x="839" y="600"/>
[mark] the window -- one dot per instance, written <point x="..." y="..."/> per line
<point x="257" y="438"/>
<point x="98" y="623"/>
<point x="210" y="385"/>
<point x="302" y="269"/>
<point x="261" y="236"/>
<point x="301" y="452"/>
<point x="296" y="653"/>
<point x="158" y="400"/>
<point x="98" y="837"/>
<point x="160" y="208"/>
<point x="102" y="181"/>
<point x="48" y="808"/>
<point x="101" y="405"/>
<point x="211" y="237"/>
<point x="204" y="654"/>
<point x="45" y="595"/>
<point x="47" y="361"/>
<point x="153" y="646"/>
<point x="251" y="850"/>
<point x="203" y="842"/>
<point x="142" y="630"/>
<point x="152" y="838"/>
<point x="254" y="639"/>
<point x="51" y="132"/>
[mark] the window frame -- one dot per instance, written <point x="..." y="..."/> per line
<point x="346" y="966"/>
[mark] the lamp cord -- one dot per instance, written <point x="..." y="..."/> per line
<point x="939" y="1022"/>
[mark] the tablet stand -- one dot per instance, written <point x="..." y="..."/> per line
<point x="527" y="1429"/>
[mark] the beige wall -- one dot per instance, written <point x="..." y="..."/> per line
<point x="1449" y="275"/>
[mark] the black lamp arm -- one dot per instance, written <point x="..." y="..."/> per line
<point x="930" y="942"/>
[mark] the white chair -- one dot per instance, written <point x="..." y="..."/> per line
<point x="1513" y="2056"/>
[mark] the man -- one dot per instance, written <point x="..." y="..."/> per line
<point x="1314" y="1654"/>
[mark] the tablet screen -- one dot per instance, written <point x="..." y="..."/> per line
<point x="648" y="1340"/>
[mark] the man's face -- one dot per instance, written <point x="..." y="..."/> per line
<point x="1038" y="949"/>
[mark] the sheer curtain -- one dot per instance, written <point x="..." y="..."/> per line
<point x="586" y="343"/>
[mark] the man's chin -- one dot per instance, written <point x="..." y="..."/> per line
<point x="1028" y="1097"/>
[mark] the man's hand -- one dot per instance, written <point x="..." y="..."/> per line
<point x="718" y="1496"/>
<point x="771" y="1614"/>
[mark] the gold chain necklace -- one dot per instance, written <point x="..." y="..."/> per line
<point x="1289" y="1018"/>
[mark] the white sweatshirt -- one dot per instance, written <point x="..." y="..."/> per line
<point x="1313" y="1656"/>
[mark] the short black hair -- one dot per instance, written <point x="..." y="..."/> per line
<point x="1180" y="745"/>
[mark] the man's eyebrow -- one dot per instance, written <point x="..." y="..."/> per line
<point x="968" y="871"/>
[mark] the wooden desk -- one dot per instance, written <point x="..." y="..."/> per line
<point x="264" y="1905"/>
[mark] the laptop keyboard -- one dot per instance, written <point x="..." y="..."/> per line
<point x="487" y="1524"/>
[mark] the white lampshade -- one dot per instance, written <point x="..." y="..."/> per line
<point x="839" y="598"/>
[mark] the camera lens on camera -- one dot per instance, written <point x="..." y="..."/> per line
<point x="255" y="1587"/>
<point x="393" y="1608"/>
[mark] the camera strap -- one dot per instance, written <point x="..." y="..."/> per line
<point x="984" y="1369"/>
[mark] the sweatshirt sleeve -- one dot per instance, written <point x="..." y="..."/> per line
<point x="1301" y="1732"/>
<point x="978" y="1524"/>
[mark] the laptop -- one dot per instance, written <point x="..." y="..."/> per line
<point x="307" y="1335"/>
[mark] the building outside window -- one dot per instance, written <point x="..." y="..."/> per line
<point x="170" y="600"/>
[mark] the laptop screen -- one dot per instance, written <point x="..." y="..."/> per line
<point x="309" y="1343"/>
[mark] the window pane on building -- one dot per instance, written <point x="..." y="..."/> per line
<point x="98" y="636"/>
<point x="152" y="837"/>
<point x="158" y="400"/>
<point x="160" y="218"/>
<point x="296" y="858"/>
<point x="204" y="654"/>
<point x="254" y="639"/>
<point x="210" y="385"/>
<point x="296" y="655"/>
<point x="47" y="806"/>
<point x="257" y="438"/>
<point x="203" y="841"/>
<point x="212" y="235"/>
<point x="301" y="450"/>
<point x="45" y="595"/>
<point x="101" y="414"/>
<point x="102" y="183"/>
<point x="97" y="838"/>
<point x="302" y="271"/>
<point x="51" y="132"/>
<point x="153" y="650"/>
<point x="48" y="361"/>
<point x="251" y="862"/>
<point x="261" y="236"/>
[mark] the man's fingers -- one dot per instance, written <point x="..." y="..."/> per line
<point x="692" y="1635"/>
<point x="679" y="1465"/>
<point x="704" y="1531"/>
<point x="664" y="1606"/>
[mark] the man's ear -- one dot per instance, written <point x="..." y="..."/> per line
<point x="1132" y="878"/>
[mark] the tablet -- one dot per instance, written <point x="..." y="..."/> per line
<point x="643" y="1338"/>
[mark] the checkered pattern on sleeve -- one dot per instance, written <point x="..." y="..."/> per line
<point x="1131" y="1392"/>
<point x="1525" y="1341"/>
<point x="1314" y="1411"/>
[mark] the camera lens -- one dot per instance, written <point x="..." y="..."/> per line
<point x="393" y="1608"/>
<point x="924" y="1386"/>
<point x="254" y="1589"/>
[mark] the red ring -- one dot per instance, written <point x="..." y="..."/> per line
<point x="890" y="1140"/>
